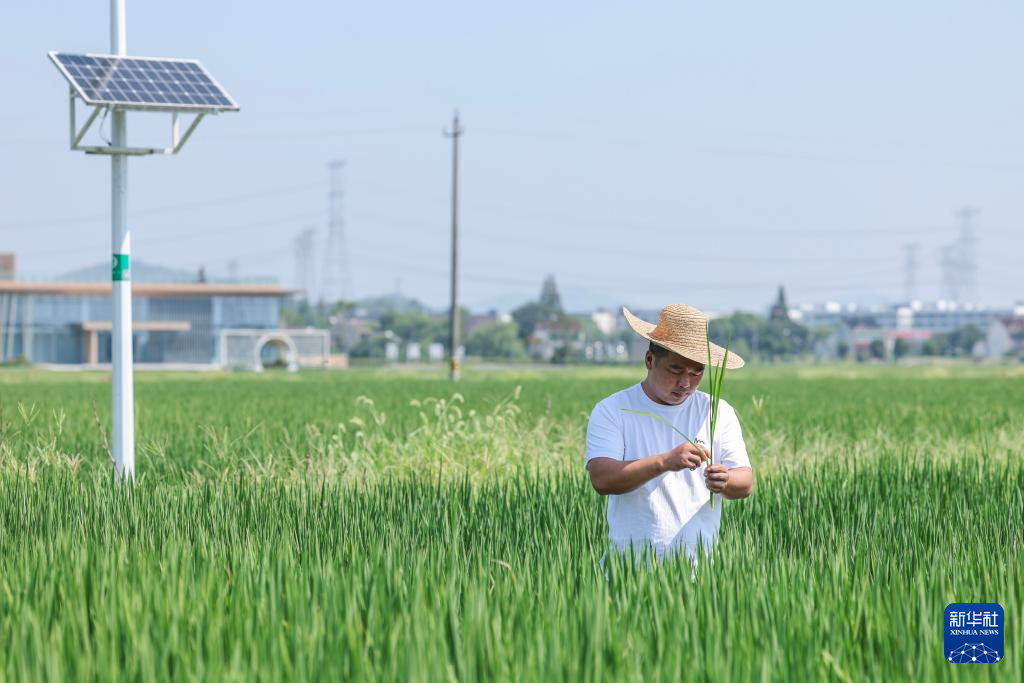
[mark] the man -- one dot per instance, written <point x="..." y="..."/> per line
<point x="658" y="495"/>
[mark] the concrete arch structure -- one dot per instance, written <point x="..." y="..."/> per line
<point x="279" y="338"/>
<point x="242" y="349"/>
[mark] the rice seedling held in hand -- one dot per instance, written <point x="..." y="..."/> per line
<point x="716" y="377"/>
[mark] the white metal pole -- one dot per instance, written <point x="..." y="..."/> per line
<point x="121" y="335"/>
<point x="118" y="30"/>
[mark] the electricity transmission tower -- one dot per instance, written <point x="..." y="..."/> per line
<point x="335" y="279"/>
<point x="968" y="254"/>
<point x="959" y="261"/>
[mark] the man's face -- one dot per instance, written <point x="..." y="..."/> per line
<point x="672" y="378"/>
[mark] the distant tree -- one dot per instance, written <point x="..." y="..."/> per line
<point x="302" y="313"/>
<point x="409" y="325"/>
<point x="418" y="326"/>
<point x="371" y="346"/>
<point x="772" y="339"/>
<point x="292" y="316"/>
<point x="741" y="348"/>
<point x="731" y="329"/>
<point x="842" y="350"/>
<point x="526" y="318"/>
<point x="547" y="307"/>
<point x="780" y="311"/>
<point x="342" y="307"/>
<point x="821" y="333"/>
<point x="901" y="348"/>
<point x="496" y="340"/>
<point x="962" y="340"/>
<point x="566" y="353"/>
<point x="550" y="300"/>
<point x="935" y="345"/>
<point x="959" y="342"/>
<point x="877" y="348"/>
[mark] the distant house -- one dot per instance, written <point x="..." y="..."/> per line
<point x="858" y="334"/>
<point x="552" y="336"/>
<point x="178" y="316"/>
<point x="939" y="316"/>
<point x="606" y="321"/>
<point x="478" y="320"/>
<point x="350" y="330"/>
<point x="636" y="346"/>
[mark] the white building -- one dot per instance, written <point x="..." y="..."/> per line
<point x="939" y="316"/>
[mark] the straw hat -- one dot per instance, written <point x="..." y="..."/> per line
<point x="683" y="329"/>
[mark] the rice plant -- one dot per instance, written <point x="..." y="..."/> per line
<point x="265" y="542"/>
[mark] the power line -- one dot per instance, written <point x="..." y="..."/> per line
<point x="266" y="136"/>
<point x="417" y="226"/>
<point x="661" y="229"/>
<point x="575" y="137"/>
<point x="517" y="213"/>
<point x="166" y="208"/>
<point x="417" y="265"/>
<point x="180" y="237"/>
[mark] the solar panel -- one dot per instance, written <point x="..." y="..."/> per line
<point x="144" y="82"/>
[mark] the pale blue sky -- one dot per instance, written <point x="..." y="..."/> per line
<point x="644" y="153"/>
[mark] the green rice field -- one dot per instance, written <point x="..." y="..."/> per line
<point x="387" y="525"/>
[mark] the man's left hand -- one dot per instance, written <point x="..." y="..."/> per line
<point x="716" y="477"/>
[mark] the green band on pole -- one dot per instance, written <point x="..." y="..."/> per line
<point x="120" y="268"/>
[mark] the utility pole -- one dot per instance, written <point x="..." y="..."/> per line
<point x="455" y="133"/>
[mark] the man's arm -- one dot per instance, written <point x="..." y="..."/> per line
<point x="733" y="483"/>
<point x="735" y="479"/>
<point x="611" y="476"/>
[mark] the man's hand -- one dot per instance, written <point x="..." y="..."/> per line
<point x="716" y="477"/>
<point x="685" y="456"/>
<point x="732" y="483"/>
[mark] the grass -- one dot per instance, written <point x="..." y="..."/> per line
<point x="458" y="539"/>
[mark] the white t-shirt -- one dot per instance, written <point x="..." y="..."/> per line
<point x="672" y="510"/>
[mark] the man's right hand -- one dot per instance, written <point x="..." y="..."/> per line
<point x="685" y="456"/>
